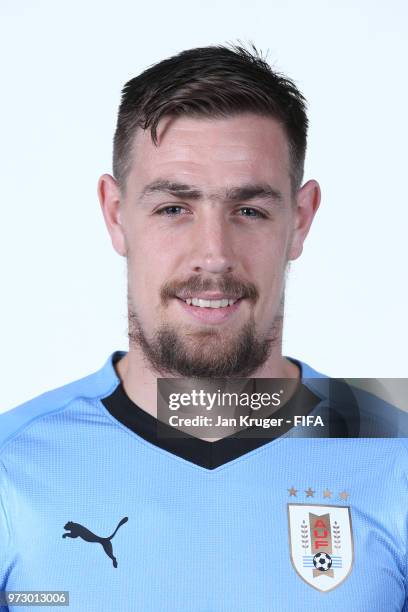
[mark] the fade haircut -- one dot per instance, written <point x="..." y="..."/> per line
<point x="215" y="82"/>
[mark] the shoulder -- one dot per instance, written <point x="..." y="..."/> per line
<point x="359" y="405"/>
<point x="94" y="385"/>
<point x="313" y="379"/>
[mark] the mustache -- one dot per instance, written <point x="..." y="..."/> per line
<point x="195" y="284"/>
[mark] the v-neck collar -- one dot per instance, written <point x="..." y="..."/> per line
<point x="206" y="454"/>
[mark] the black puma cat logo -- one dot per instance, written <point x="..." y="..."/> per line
<point x="78" y="531"/>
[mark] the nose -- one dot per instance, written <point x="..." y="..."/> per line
<point x="212" y="244"/>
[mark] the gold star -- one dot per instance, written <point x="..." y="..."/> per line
<point x="344" y="495"/>
<point x="327" y="493"/>
<point x="309" y="492"/>
<point x="292" y="492"/>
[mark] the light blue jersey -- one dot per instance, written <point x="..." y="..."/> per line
<point x="89" y="506"/>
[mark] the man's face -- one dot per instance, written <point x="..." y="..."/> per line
<point x="208" y="214"/>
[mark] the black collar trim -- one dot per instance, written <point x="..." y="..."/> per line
<point x="206" y="454"/>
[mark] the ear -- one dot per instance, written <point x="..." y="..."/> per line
<point x="307" y="203"/>
<point x="110" y="199"/>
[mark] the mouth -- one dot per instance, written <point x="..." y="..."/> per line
<point x="210" y="311"/>
<point x="203" y="302"/>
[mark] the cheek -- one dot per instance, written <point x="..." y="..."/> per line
<point x="267" y="266"/>
<point x="267" y="257"/>
<point x="148" y="269"/>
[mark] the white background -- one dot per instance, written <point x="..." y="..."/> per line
<point x="63" y="287"/>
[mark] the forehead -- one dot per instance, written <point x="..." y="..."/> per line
<point x="221" y="151"/>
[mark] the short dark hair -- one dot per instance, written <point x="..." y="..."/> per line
<point x="214" y="81"/>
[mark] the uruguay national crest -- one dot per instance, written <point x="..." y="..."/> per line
<point x="321" y="544"/>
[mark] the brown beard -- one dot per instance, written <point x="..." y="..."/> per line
<point x="168" y="354"/>
<point x="204" y="354"/>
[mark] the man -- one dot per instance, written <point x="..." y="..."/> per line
<point x="208" y="207"/>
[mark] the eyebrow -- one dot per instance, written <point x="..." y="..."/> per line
<point x="248" y="191"/>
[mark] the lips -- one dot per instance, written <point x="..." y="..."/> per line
<point x="210" y="303"/>
<point x="210" y="315"/>
<point x="208" y="296"/>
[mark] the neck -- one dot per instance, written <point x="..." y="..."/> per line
<point x="140" y="381"/>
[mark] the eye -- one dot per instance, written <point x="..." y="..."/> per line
<point x="175" y="211"/>
<point x="169" y="211"/>
<point x="253" y="212"/>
